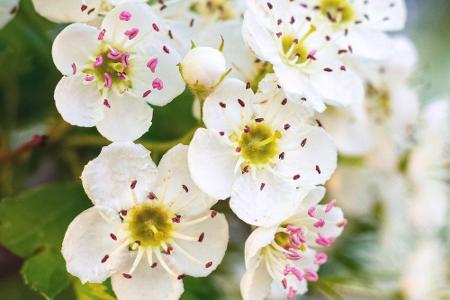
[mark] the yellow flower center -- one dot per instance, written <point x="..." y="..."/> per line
<point x="111" y="67"/>
<point x="221" y="9"/>
<point x="150" y="224"/>
<point x="337" y="11"/>
<point x="258" y="143"/>
<point x="294" y="49"/>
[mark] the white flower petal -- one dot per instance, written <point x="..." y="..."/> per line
<point x="67" y="11"/>
<point x="86" y="243"/>
<point x="338" y="87"/>
<point x="73" y="47"/>
<point x="298" y="88"/>
<point x="310" y="156"/>
<point x="108" y="178"/>
<point x="141" y="22"/>
<point x="147" y="282"/>
<point x="385" y="15"/>
<point x="78" y="103"/>
<point x="255" y="284"/>
<point x="126" y="118"/>
<point x="161" y="83"/>
<point x="208" y="253"/>
<point x="258" y="239"/>
<point x="272" y="105"/>
<point x="237" y="55"/>
<point x="259" y="39"/>
<point x="312" y="198"/>
<point x="367" y="43"/>
<point x="228" y="107"/>
<point x="265" y="200"/>
<point x="212" y="163"/>
<point x="175" y="183"/>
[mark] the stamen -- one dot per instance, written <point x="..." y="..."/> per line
<point x="164" y="265"/>
<point x="139" y="256"/>
<point x="185" y="253"/>
<point x="184" y="237"/>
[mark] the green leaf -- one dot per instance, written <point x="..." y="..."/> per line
<point x="39" y="218"/>
<point x="46" y="273"/>
<point x="91" y="291"/>
<point x="32" y="225"/>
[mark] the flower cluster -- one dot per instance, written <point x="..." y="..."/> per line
<point x="282" y="88"/>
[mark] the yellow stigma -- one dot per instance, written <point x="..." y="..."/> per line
<point x="337" y="11"/>
<point x="150" y="224"/>
<point x="258" y="144"/>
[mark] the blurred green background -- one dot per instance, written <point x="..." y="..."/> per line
<point x="33" y="221"/>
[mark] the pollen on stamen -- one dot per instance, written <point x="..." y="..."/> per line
<point x="318" y="169"/>
<point x="262" y="186"/>
<point x="133" y="184"/>
<point x="101" y="35"/>
<point x="131" y="33"/>
<point x="146" y="93"/>
<point x="105" y="258"/>
<point x="201" y="237"/>
<point x="176" y="219"/>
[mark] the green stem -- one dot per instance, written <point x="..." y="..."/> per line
<point x="76" y="141"/>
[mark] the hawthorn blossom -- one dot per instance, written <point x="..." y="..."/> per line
<point x="425" y="275"/>
<point x="306" y="61"/>
<point x="111" y="73"/>
<point x="8" y="10"/>
<point x="82" y="11"/>
<point x="359" y="26"/>
<point x="390" y="107"/>
<point x="428" y="169"/>
<point x="259" y="149"/>
<point x="288" y="253"/>
<point x="148" y="227"/>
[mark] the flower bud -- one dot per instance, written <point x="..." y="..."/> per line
<point x="203" y="67"/>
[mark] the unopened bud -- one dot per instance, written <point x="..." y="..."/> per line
<point x="203" y="67"/>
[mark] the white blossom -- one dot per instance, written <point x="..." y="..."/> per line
<point x="148" y="227"/>
<point x="111" y="73"/>
<point x="359" y="26"/>
<point x="304" y="58"/>
<point x="259" y="149"/>
<point x="286" y="253"/>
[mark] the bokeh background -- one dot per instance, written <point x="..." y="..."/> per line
<point x="39" y="187"/>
